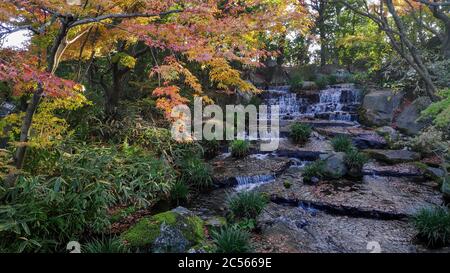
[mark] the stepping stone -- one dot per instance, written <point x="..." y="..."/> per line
<point x="227" y="171"/>
<point x="393" y="156"/>
<point x="398" y="170"/>
<point x="378" y="197"/>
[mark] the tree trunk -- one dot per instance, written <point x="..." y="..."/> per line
<point x="322" y="33"/>
<point x="19" y="157"/>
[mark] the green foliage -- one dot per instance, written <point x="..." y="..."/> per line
<point x="231" y="239"/>
<point x="179" y="192"/>
<point x="194" y="171"/>
<point x="355" y="160"/>
<point x="53" y="206"/>
<point x="246" y="204"/>
<point x="211" y="148"/>
<point x="315" y="169"/>
<point x="105" y="245"/>
<point x="240" y="148"/>
<point x="287" y="184"/>
<point x="342" y="143"/>
<point x="433" y="225"/>
<point x="440" y="111"/>
<point x="122" y="213"/>
<point x="300" y="133"/>
<point x="296" y="80"/>
<point x="322" y="81"/>
<point x="247" y="224"/>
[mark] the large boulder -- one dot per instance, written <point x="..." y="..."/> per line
<point x="393" y="156"/>
<point x="407" y="120"/>
<point x="174" y="231"/>
<point x="335" y="165"/>
<point x="379" y="107"/>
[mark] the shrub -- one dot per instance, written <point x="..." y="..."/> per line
<point x="355" y="161"/>
<point x="296" y="81"/>
<point x="211" y="148"/>
<point x="439" y="111"/>
<point x="231" y="239"/>
<point x="332" y="79"/>
<point x="300" y="133"/>
<point x="342" y="143"/>
<point x="105" y="245"/>
<point x="322" y="81"/>
<point x="433" y="226"/>
<point x="240" y="148"/>
<point x="246" y="204"/>
<point x="287" y="185"/>
<point x="42" y="212"/>
<point x="315" y="169"/>
<point x="194" y="171"/>
<point x="179" y="192"/>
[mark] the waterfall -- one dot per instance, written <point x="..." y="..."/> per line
<point x="245" y="183"/>
<point x="337" y="102"/>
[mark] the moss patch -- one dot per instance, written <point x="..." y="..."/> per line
<point x="144" y="233"/>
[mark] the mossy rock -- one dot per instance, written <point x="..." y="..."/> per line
<point x="143" y="234"/>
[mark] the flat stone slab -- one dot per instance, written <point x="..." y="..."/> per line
<point x="226" y="171"/>
<point x="397" y="170"/>
<point x="362" y="138"/>
<point x="374" y="197"/>
<point x="393" y="156"/>
<point x="304" y="230"/>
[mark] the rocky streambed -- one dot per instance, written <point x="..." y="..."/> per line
<point x="343" y="215"/>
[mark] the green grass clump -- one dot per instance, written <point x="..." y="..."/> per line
<point x="322" y="81"/>
<point x="246" y="204"/>
<point x="433" y="226"/>
<point x="300" y="133"/>
<point x="231" y="239"/>
<point x="355" y="160"/>
<point x="194" y="171"/>
<point x="211" y="148"/>
<point x="105" y="245"/>
<point x="240" y="148"/>
<point x="179" y="192"/>
<point x="315" y="169"/>
<point x="342" y="143"/>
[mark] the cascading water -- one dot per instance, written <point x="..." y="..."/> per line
<point x="337" y="102"/>
<point x="250" y="182"/>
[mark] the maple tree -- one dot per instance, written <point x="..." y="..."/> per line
<point x="211" y="33"/>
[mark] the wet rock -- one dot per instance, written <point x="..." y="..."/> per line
<point x="393" y="156"/>
<point x="436" y="174"/>
<point x="377" y="197"/>
<point x="398" y="170"/>
<point x="379" y="107"/>
<point x="361" y="138"/>
<point x="389" y="133"/>
<point x="226" y="171"/>
<point x="335" y="165"/>
<point x="446" y="189"/>
<point x="301" y="230"/>
<point x="407" y="120"/>
<point x="171" y="231"/>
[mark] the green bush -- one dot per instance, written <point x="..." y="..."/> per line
<point x="322" y="81"/>
<point x="211" y="148"/>
<point x="332" y="79"/>
<point x="44" y="212"/>
<point x="231" y="239"/>
<point x="439" y="111"/>
<point x="296" y="81"/>
<point x="246" y="204"/>
<point x="105" y="245"/>
<point x="342" y="143"/>
<point x="355" y="161"/>
<point x="433" y="226"/>
<point x="240" y="148"/>
<point x="194" y="171"/>
<point x="179" y="192"/>
<point x="315" y="169"/>
<point x="300" y="133"/>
